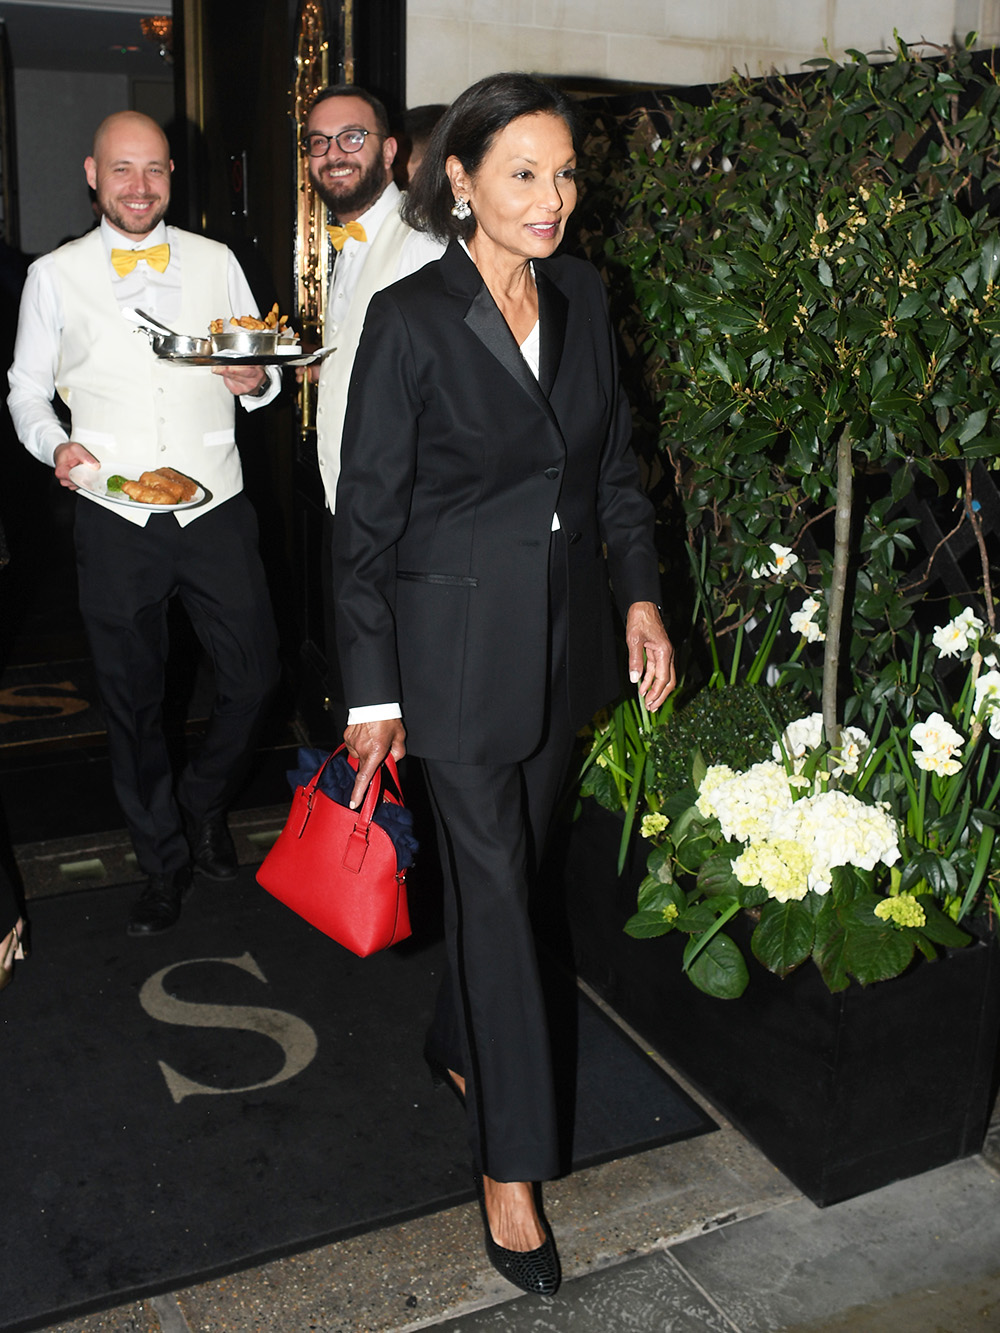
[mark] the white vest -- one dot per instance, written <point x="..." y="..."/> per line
<point x="382" y="260"/>
<point x="132" y="410"/>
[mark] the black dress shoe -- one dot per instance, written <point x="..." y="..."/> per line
<point x="212" y="848"/>
<point x="535" y="1271"/>
<point x="159" y="905"/>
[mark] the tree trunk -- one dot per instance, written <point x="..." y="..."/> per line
<point x="838" y="588"/>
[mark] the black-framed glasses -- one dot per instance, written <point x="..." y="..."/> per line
<point x="348" y="141"/>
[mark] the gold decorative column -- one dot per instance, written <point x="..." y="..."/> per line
<point x="312" y="251"/>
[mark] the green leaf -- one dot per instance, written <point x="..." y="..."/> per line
<point x="877" y="954"/>
<point x="784" y="937"/>
<point x="660" y="864"/>
<point x="600" y="784"/>
<point x="655" y="896"/>
<point x="648" y="925"/>
<point x="716" y="876"/>
<point x="940" y="928"/>
<point x="720" y="969"/>
<point x="698" y="917"/>
<point x="829" y="948"/>
<point x="973" y="426"/>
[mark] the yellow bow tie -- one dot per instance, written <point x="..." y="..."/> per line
<point x="338" y="235"/>
<point x="156" y="256"/>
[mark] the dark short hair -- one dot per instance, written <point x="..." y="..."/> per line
<point x="350" y="90"/>
<point x="466" y="131"/>
<point x="419" y="122"/>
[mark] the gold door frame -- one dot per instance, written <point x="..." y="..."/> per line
<point x="311" y="256"/>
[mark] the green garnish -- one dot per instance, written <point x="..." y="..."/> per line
<point x="115" y="483"/>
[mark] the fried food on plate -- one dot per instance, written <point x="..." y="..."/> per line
<point x="164" y="486"/>
<point x="271" y="322"/>
<point x="188" y="488"/>
<point x="146" y="494"/>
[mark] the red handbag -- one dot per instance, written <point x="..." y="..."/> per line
<point x="337" y="868"/>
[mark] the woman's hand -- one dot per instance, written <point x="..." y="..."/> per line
<point x="369" y="743"/>
<point x="650" y="654"/>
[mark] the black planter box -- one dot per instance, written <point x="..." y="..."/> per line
<point x="844" y="1093"/>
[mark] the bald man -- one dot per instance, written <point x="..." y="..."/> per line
<point x="131" y="412"/>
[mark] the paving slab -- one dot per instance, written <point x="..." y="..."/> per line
<point x="648" y="1295"/>
<point x="972" y="1307"/>
<point x="798" y="1264"/>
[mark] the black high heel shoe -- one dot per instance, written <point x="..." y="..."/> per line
<point x="535" y="1271"/>
<point x="441" y="1077"/>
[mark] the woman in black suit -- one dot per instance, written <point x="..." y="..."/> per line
<point x="487" y="468"/>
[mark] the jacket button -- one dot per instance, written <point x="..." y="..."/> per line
<point x="574" y="537"/>
<point x="552" y="473"/>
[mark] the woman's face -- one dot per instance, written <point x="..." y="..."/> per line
<point x="524" y="190"/>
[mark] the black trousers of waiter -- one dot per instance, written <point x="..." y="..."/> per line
<point x="127" y="576"/>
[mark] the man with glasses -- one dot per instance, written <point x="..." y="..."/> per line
<point x="350" y="155"/>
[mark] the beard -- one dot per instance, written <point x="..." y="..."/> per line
<point x="120" y="217"/>
<point x="344" y="197"/>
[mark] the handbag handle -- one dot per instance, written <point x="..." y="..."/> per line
<point x="367" y="812"/>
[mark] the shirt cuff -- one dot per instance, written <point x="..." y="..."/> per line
<point x="373" y="713"/>
<point x="49" y="443"/>
<point x="251" y="401"/>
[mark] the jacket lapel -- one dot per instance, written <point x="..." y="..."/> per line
<point x="552" y="314"/>
<point x="484" y="319"/>
<point x="493" y="331"/>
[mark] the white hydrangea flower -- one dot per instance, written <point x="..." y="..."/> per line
<point x="780" y="865"/>
<point x="939" y="743"/>
<point x="802" y="622"/>
<point x="744" y="803"/>
<point x="797" y="848"/>
<point x="958" y="634"/>
<point x="783" y="562"/>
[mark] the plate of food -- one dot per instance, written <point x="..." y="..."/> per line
<point x="160" y="490"/>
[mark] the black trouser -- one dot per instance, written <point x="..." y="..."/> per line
<point x="490" y="1023"/>
<point x="127" y="576"/>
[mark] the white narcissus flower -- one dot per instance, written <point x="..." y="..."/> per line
<point x="802" y="622"/>
<point x="939" y="743"/>
<point x="988" y="690"/>
<point x="958" y="634"/>
<point x="854" y="745"/>
<point x="784" y="561"/>
<point x="806" y="733"/>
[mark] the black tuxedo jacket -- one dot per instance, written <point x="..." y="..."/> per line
<point x="455" y="459"/>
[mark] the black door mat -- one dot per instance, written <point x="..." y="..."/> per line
<point x="241" y="1088"/>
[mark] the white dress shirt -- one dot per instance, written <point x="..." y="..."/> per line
<point x="32" y="376"/>
<point x="419" y="249"/>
